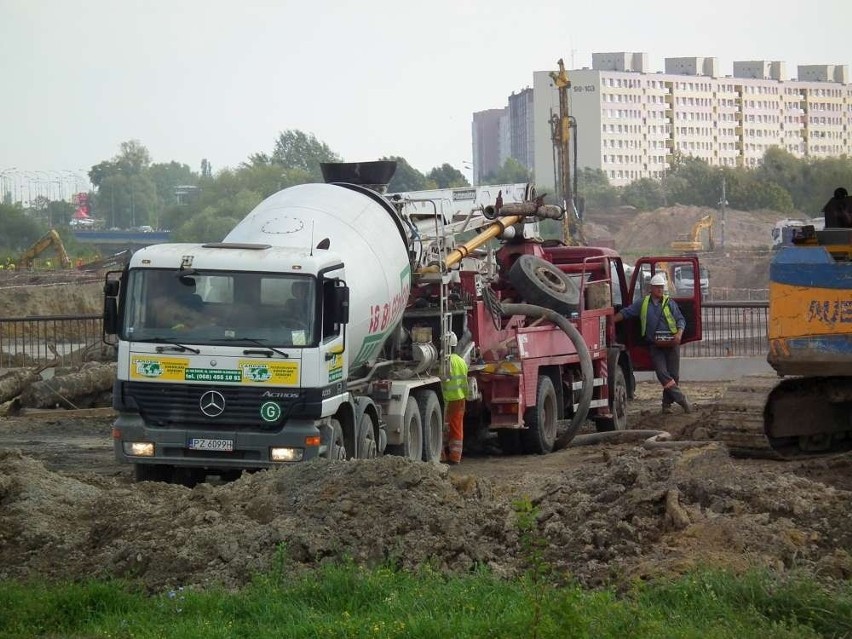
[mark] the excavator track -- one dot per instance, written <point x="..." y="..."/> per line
<point x="740" y="422"/>
<point x="790" y="418"/>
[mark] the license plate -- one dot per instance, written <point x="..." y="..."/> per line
<point x="226" y="445"/>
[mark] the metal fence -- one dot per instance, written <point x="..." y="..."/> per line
<point x="730" y="329"/>
<point x="67" y="339"/>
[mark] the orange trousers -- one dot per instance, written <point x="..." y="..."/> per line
<point x="455" y="428"/>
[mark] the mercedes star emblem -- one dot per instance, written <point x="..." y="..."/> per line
<point x="212" y="403"/>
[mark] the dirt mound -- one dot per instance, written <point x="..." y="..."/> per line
<point x="637" y="232"/>
<point x="633" y="513"/>
<point x="738" y="264"/>
<point x="60" y="293"/>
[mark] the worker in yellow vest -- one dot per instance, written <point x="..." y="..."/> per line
<point x="454" y="389"/>
<point x="662" y="325"/>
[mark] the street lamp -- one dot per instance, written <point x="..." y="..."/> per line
<point x="723" y="203"/>
<point x="3" y="180"/>
<point x="467" y="166"/>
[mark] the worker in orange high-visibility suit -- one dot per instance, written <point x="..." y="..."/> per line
<point x="454" y="389"/>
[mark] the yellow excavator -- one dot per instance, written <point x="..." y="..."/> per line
<point x="48" y="240"/>
<point x="694" y="243"/>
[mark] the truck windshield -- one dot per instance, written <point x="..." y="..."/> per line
<point x="216" y="307"/>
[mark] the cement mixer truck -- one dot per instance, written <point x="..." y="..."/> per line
<point x="319" y="327"/>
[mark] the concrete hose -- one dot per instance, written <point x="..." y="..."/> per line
<point x="531" y="310"/>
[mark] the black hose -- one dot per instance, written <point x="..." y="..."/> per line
<point x="531" y="310"/>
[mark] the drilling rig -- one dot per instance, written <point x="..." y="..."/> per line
<point x="560" y="130"/>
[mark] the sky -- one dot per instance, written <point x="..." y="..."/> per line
<point x="220" y="79"/>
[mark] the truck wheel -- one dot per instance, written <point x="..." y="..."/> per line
<point x="337" y="446"/>
<point x="366" y="438"/>
<point x="540" y="434"/>
<point x="412" y="431"/>
<point x="153" y="472"/>
<point x="617" y="405"/>
<point x="542" y="283"/>
<point x="432" y="419"/>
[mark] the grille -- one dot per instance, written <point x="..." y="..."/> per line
<point x="178" y="405"/>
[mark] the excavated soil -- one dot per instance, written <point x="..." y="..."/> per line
<point x="32" y="294"/>
<point x="608" y="514"/>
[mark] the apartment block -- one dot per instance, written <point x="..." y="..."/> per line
<point x="631" y="122"/>
<point x="490" y="135"/>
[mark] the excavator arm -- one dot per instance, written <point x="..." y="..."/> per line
<point x="51" y="238"/>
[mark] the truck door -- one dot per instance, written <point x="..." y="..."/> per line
<point x="689" y="302"/>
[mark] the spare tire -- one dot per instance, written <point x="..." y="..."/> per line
<point x="539" y="282"/>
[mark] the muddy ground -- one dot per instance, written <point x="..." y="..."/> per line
<point x="609" y="514"/>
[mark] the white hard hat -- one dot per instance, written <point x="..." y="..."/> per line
<point x="658" y="280"/>
<point x="452" y="340"/>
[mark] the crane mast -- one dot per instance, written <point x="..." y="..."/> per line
<point x="572" y="232"/>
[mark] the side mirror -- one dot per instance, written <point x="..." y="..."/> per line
<point x="110" y="315"/>
<point x="111" y="288"/>
<point x="341" y="304"/>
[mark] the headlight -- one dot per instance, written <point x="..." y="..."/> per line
<point x="286" y="454"/>
<point x="138" y="449"/>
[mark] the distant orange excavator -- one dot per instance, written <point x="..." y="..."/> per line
<point x="48" y="240"/>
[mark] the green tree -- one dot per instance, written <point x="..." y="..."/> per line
<point x="645" y="194"/>
<point x="296" y="150"/>
<point x="747" y="191"/>
<point x="511" y="172"/>
<point x="126" y="195"/>
<point x="594" y="188"/>
<point x="447" y="177"/>
<point x="784" y="169"/>
<point x="127" y="201"/>
<point x="101" y="171"/>
<point x="167" y="176"/>
<point x="19" y="230"/>
<point x="133" y="157"/>
<point x="210" y="225"/>
<point x="407" y="178"/>
<point x="59" y="213"/>
<point x="692" y="181"/>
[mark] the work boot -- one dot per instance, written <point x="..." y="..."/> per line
<point x="684" y="403"/>
<point x="667" y="409"/>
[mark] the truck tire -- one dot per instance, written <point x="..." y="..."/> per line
<point x="617" y="405"/>
<point x="412" y="433"/>
<point x="432" y="419"/>
<point x="153" y="472"/>
<point x="540" y="434"/>
<point x="337" y="446"/>
<point x="365" y="444"/>
<point x="542" y="283"/>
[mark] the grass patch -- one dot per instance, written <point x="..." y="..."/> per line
<point x="348" y="601"/>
